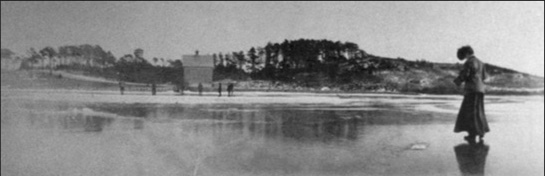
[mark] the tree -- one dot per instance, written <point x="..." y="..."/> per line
<point x="139" y="53"/>
<point x="88" y="53"/>
<point x="63" y="54"/>
<point x="275" y="58"/>
<point x="100" y="56"/>
<point x="285" y="51"/>
<point x="49" y="52"/>
<point x="75" y="52"/>
<point x="176" y="64"/>
<point x="136" y="70"/>
<point x="229" y="61"/>
<point x="220" y="57"/>
<point x="260" y="53"/>
<point x="127" y="58"/>
<point x="109" y="59"/>
<point x="34" y="57"/>
<point x="352" y="49"/>
<point x="215" y="57"/>
<point x="268" y="67"/>
<point x="253" y="57"/>
<point x="268" y="55"/>
<point x="240" y="59"/>
<point x="176" y="73"/>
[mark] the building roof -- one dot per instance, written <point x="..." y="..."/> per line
<point x="198" y="61"/>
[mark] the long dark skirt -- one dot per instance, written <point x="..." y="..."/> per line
<point x="471" y="117"/>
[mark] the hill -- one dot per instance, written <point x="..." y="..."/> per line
<point x="312" y="65"/>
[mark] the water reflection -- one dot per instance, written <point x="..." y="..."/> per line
<point x="253" y="121"/>
<point x="138" y="124"/>
<point x="324" y="131"/>
<point x="471" y="158"/>
<point x="310" y="123"/>
<point x="85" y="123"/>
<point x="304" y="123"/>
<point x="77" y="121"/>
<point x="303" y="126"/>
<point x="132" y="110"/>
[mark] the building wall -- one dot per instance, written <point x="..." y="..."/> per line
<point x="196" y="75"/>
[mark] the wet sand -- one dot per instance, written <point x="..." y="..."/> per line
<point x="101" y="133"/>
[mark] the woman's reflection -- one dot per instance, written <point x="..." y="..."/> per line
<point x="471" y="157"/>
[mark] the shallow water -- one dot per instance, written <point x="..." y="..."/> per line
<point x="363" y="136"/>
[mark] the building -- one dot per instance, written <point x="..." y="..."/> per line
<point x="198" y="69"/>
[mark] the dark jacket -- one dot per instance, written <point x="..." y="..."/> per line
<point x="473" y="74"/>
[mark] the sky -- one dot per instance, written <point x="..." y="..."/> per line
<point x="507" y="34"/>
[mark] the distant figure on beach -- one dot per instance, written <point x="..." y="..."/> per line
<point x="121" y="87"/>
<point x="219" y="89"/>
<point x="153" y="89"/>
<point x="471" y="117"/>
<point x="230" y="90"/>
<point x="200" y="89"/>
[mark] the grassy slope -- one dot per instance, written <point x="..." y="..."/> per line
<point x="42" y="80"/>
<point x="438" y="79"/>
<point x="409" y="76"/>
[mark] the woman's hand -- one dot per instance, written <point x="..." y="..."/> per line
<point x="457" y="81"/>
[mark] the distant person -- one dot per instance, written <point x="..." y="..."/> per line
<point x="230" y="90"/>
<point x="121" y="87"/>
<point x="219" y="89"/>
<point x="153" y="89"/>
<point x="200" y="89"/>
<point x="471" y="117"/>
<point x="182" y="87"/>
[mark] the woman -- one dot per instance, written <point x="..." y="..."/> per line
<point x="471" y="117"/>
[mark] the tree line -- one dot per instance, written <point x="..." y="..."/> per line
<point x="293" y="60"/>
<point x="94" y="60"/>
<point x="306" y="61"/>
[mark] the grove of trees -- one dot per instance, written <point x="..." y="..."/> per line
<point x="290" y="60"/>
<point x="95" y="61"/>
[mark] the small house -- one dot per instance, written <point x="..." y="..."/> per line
<point x="198" y="69"/>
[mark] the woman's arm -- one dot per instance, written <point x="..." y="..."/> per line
<point x="485" y="75"/>
<point x="464" y="74"/>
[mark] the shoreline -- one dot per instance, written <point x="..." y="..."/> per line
<point x="281" y="92"/>
<point x="71" y="82"/>
<point x="240" y="98"/>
